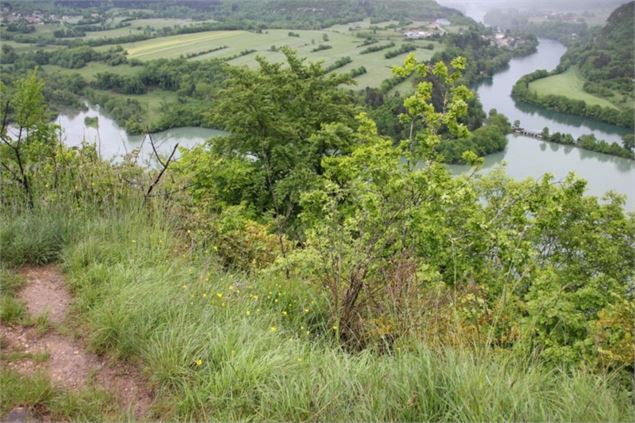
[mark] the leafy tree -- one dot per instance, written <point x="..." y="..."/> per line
<point x="531" y="265"/>
<point x="272" y="114"/>
<point x="365" y="215"/>
<point x="31" y="139"/>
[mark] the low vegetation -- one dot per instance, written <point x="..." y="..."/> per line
<point x="337" y="278"/>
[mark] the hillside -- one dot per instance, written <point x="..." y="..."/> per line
<point x="305" y="268"/>
<point x="598" y="70"/>
<point x="323" y="13"/>
<point x="606" y="59"/>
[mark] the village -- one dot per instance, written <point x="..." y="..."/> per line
<point x="431" y="29"/>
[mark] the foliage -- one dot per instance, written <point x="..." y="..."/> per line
<point x="21" y="26"/>
<point x="341" y="62"/>
<point x="271" y="149"/>
<point x="321" y="47"/>
<point x="433" y="283"/>
<point x="374" y="48"/>
<point x="487" y="139"/>
<point x="607" y="58"/>
<point x="523" y="92"/>
<point x="317" y="14"/>
<point x="197" y="345"/>
<point x="22" y="150"/>
<point x="405" y="48"/>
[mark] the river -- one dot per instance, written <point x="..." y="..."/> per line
<point x="113" y="142"/>
<point x="527" y="157"/>
<point x="523" y="157"/>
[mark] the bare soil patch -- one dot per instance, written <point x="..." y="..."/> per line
<point x="45" y="293"/>
<point x="65" y="360"/>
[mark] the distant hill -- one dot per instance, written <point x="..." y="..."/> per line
<point x="286" y="13"/>
<point x="607" y="57"/>
<point x="322" y="13"/>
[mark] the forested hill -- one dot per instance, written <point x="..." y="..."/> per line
<point x="607" y="58"/>
<point x="289" y="13"/>
<point x="324" y="13"/>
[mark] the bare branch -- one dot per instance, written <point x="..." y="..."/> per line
<point x="156" y="153"/>
<point x="165" y="167"/>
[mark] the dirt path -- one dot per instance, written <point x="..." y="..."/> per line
<point x="66" y="361"/>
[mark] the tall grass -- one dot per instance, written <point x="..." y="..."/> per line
<point x="228" y="346"/>
<point x="46" y="402"/>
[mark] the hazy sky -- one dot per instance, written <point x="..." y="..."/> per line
<point x="476" y="9"/>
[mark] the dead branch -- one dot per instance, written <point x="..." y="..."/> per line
<point x="163" y="169"/>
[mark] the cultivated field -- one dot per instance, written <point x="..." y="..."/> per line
<point x="342" y="41"/>
<point x="91" y="69"/>
<point x="568" y="84"/>
<point x="137" y="26"/>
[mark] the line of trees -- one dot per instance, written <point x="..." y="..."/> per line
<point x="203" y="52"/>
<point x="71" y="58"/>
<point x="341" y="62"/>
<point x="354" y="73"/>
<point x="374" y="48"/>
<point x="522" y="92"/>
<point x="321" y="47"/>
<point x="591" y="143"/>
<point x="405" y="48"/>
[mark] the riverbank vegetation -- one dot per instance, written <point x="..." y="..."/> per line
<point x="487" y="139"/>
<point x="304" y="267"/>
<point x="594" y="78"/>
<point x="591" y="143"/>
<point x="522" y="91"/>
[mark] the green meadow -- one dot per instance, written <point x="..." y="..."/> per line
<point x="137" y="26"/>
<point x="91" y="69"/>
<point x="342" y="41"/>
<point x="568" y="84"/>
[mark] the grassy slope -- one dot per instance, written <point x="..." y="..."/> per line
<point x="137" y="26"/>
<point x="22" y="47"/>
<point x="89" y="71"/>
<point x="264" y="353"/>
<point x="342" y="41"/>
<point x="568" y="84"/>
